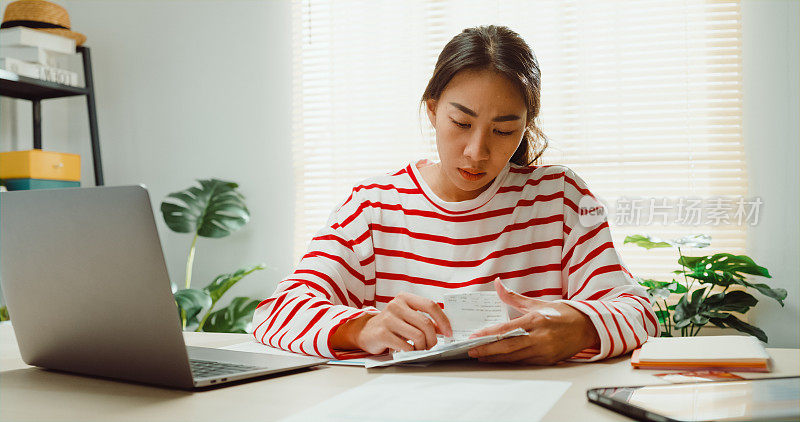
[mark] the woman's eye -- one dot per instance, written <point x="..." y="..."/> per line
<point x="461" y="125"/>
<point x="467" y="126"/>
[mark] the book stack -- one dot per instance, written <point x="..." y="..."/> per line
<point x="37" y="169"/>
<point x="708" y="353"/>
<point x="37" y="54"/>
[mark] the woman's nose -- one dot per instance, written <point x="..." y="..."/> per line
<point x="477" y="148"/>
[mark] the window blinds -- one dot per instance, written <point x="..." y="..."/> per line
<point x="642" y="99"/>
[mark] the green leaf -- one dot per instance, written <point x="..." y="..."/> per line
<point x="699" y="319"/>
<point x="736" y="265"/>
<point x="681" y="310"/>
<point x="646" y="241"/>
<point x="649" y="283"/>
<point x="735" y="301"/>
<point x="724" y="269"/>
<point x="661" y="289"/>
<point x="718" y="279"/>
<point x="714" y="314"/>
<point x="714" y="299"/>
<point x="689" y="262"/>
<point x="4" y="314"/>
<point x="697" y="296"/>
<point x="650" y="242"/>
<point x="744" y="327"/>
<point x="777" y="294"/>
<point x="192" y="301"/>
<point x="686" y="309"/>
<point x="692" y="241"/>
<point x="223" y="282"/>
<point x="659" y="293"/>
<point x="215" y="209"/>
<point x="719" y="321"/>
<point x="676" y="287"/>
<point x="232" y="318"/>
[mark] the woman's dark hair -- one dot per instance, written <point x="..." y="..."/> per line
<point x="502" y="50"/>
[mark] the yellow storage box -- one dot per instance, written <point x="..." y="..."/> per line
<point x="38" y="164"/>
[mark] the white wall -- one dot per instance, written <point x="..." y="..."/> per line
<point x="771" y="43"/>
<point x="201" y="88"/>
<point x="187" y="89"/>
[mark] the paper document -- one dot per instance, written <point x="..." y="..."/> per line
<point x="256" y="347"/>
<point x="443" y="350"/>
<point x="429" y="398"/>
<point x="470" y="312"/>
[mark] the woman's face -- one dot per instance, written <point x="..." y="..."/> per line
<point x="479" y="120"/>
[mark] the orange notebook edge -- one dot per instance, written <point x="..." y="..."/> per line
<point x="707" y="365"/>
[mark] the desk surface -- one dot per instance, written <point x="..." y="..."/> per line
<point x="28" y="393"/>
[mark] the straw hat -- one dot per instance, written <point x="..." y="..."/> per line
<point x="40" y="15"/>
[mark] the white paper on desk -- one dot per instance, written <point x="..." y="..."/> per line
<point x="430" y="398"/>
<point x="256" y="347"/>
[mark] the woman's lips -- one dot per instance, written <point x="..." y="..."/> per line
<point x="470" y="176"/>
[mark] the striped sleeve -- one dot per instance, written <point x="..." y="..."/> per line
<point x="327" y="288"/>
<point x="598" y="284"/>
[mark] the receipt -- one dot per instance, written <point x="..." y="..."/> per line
<point x="470" y="312"/>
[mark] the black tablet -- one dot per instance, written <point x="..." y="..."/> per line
<point x="765" y="399"/>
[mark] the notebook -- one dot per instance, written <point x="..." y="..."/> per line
<point x="725" y="353"/>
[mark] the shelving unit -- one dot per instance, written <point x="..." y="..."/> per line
<point x="36" y="90"/>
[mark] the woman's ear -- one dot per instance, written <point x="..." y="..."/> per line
<point x="430" y="108"/>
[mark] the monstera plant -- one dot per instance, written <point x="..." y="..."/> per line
<point x="712" y="301"/>
<point x="215" y="209"/>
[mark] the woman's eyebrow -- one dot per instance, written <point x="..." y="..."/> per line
<point x="505" y="118"/>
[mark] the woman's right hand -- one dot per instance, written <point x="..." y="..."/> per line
<point x="400" y="321"/>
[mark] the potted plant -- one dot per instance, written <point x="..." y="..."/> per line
<point x="712" y="300"/>
<point x="215" y="210"/>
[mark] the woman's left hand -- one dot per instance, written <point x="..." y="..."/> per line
<point x="556" y="331"/>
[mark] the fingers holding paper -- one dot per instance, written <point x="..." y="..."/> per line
<point x="556" y="331"/>
<point x="404" y="319"/>
<point x="541" y="346"/>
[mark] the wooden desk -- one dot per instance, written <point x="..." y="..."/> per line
<point x="28" y="393"/>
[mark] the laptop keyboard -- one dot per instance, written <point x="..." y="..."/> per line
<point x="206" y="368"/>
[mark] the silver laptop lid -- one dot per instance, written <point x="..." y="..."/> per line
<point x="61" y="252"/>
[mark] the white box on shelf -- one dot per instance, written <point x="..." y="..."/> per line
<point x="35" y="55"/>
<point x="37" y="71"/>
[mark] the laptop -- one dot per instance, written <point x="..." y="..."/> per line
<point x="86" y="286"/>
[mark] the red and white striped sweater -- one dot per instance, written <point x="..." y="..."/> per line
<point x="393" y="234"/>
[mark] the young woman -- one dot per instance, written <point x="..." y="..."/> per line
<point x="403" y="240"/>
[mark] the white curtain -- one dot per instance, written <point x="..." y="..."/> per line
<point x="643" y="99"/>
